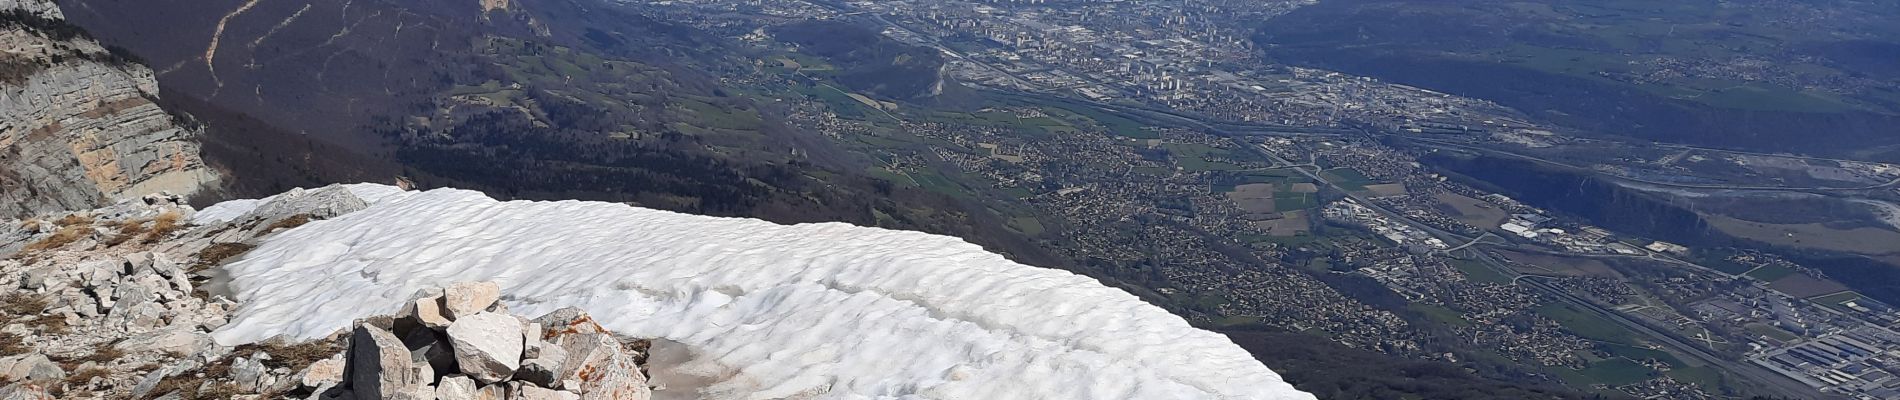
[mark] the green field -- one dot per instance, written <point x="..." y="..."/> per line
<point x="1616" y="372"/>
<point x="1118" y="125"/>
<point x="1772" y="332"/>
<point x="1770" y="273"/>
<point x="839" y="102"/>
<point x="1589" y="326"/>
<point x="1347" y="178"/>
<point x="1706" y="376"/>
<point x="1834" y="300"/>
<point x="1027" y="225"/>
<point x="1477" y="271"/>
<point x="1005" y="119"/>
<point x="1200" y="157"/>
<point x="1282" y="179"/>
<point x="1440" y="314"/>
<point x="1721" y="264"/>
<point x="1639" y="353"/>
<point x="713" y="116"/>
<point x="1294" y="201"/>
<point x="1769" y="98"/>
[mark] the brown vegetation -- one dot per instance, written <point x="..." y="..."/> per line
<point x="185" y="385"/>
<point x="67" y="234"/>
<point x="82" y="376"/>
<point x="104" y="352"/>
<point x="127" y="231"/>
<point x="12" y="344"/>
<point x="289" y="222"/>
<point x="15" y="69"/>
<point x="50" y="324"/>
<point x="18" y="304"/>
<point x="215" y="254"/>
<point x="162" y="227"/>
<point x="74" y="219"/>
<point x="297" y="356"/>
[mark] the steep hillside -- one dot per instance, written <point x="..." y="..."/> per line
<point x="869" y="61"/>
<point x="79" y="125"/>
<point x="529" y="99"/>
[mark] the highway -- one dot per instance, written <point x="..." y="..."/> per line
<point x="1761" y="377"/>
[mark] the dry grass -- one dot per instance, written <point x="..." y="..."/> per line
<point x="18" y="304"/>
<point x="50" y="324"/>
<point x="74" y="219"/>
<point x="12" y="345"/>
<point x="163" y="226"/>
<point x="185" y="384"/>
<point x="104" y="353"/>
<point x="289" y="222"/>
<point x="297" y="356"/>
<point x="67" y="234"/>
<point x="127" y="231"/>
<point x="197" y="384"/>
<point x="215" y="255"/>
<point x="80" y="377"/>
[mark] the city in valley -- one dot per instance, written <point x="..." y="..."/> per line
<point x="950" y="199"/>
<point x="1153" y="141"/>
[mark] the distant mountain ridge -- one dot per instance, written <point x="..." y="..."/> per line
<point x="1813" y="76"/>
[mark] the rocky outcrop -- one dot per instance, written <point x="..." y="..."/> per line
<point x="79" y="127"/>
<point x="98" y="301"/>
<point x="117" y="302"/>
<point x="37" y="7"/>
<point x="484" y="352"/>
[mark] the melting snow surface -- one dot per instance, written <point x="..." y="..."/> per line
<point x="771" y="311"/>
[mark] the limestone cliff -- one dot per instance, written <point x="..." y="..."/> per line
<point x="79" y="127"/>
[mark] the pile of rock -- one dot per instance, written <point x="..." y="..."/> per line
<point x="112" y="302"/>
<point x="461" y="343"/>
<point x="92" y="303"/>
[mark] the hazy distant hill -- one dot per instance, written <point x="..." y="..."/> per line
<point x="1814" y="76"/>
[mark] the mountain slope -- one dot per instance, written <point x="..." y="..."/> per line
<point x="79" y="125"/>
<point x="766" y="311"/>
<point x="524" y="99"/>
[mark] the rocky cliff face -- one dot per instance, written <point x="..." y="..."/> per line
<point x="78" y="125"/>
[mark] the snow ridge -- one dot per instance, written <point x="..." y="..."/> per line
<point x="825" y="310"/>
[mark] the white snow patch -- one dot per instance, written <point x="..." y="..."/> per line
<point x="771" y="311"/>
